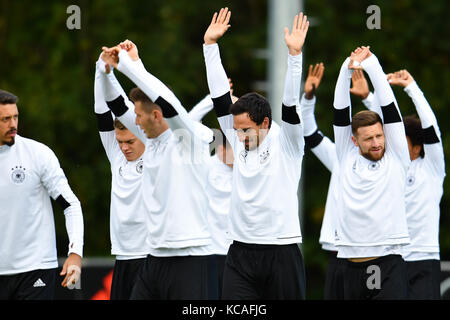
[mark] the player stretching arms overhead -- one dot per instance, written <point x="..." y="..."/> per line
<point x="373" y="161"/>
<point x="264" y="261"/>
<point x="424" y="185"/>
<point x="128" y="218"/>
<point x="177" y="149"/>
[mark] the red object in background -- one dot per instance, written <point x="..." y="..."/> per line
<point x="105" y="292"/>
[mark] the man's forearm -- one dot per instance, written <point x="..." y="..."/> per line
<point x="383" y="90"/>
<point x="157" y="91"/>
<point x="342" y="102"/>
<point x="75" y="229"/>
<point x="423" y="108"/>
<point x="307" y="110"/>
<point x="218" y="84"/>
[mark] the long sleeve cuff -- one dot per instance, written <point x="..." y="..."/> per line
<point x="377" y="76"/>
<point x="75" y="228"/>
<point x="342" y="102"/>
<point x="100" y="106"/>
<point x="76" y="247"/>
<point x="369" y="100"/>
<point x="370" y="62"/>
<point x="412" y="89"/>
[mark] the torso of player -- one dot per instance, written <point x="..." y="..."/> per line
<point x="174" y="183"/>
<point x="264" y="197"/>
<point x="369" y="200"/>
<point x="27" y="232"/>
<point x="423" y="193"/>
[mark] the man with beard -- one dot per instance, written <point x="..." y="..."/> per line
<point x="264" y="261"/>
<point x="30" y="174"/>
<point x="424" y="185"/>
<point x="373" y="157"/>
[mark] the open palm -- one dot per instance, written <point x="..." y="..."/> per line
<point x="219" y="25"/>
<point x="313" y="80"/>
<point x="360" y="86"/>
<point x="296" y="38"/>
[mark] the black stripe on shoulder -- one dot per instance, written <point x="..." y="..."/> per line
<point x="430" y="136"/>
<point x="390" y="114"/>
<point x="341" y="117"/>
<point x="314" y="140"/>
<point x="117" y="106"/>
<point x="62" y="202"/>
<point x="222" y="105"/>
<point x="105" y="121"/>
<point x="167" y="109"/>
<point x="289" y="114"/>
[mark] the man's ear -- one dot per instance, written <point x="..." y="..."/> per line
<point x="157" y="114"/>
<point x="354" y="141"/>
<point x="265" y="123"/>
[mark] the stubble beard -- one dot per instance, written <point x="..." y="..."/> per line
<point x="369" y="156"/>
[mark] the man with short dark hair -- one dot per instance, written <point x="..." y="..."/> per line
<point x="29" y="175"/>
<point x="373" y="158"/>
<point x="128" y="218"/>
<point x="264" y="261"/>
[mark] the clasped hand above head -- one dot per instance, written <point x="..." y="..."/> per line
<point x="357" y="56"/>
<point x="111" y="55"/>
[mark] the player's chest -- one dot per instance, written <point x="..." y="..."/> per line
<point x="18" y="174"/>
<point x="251" y="162"/>
<point x="126" y="171"/>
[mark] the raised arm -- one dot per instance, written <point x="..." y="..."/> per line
<point x="105" y="118"/>
<point x="206" y="105"/>
<point x="308" y="101"/>
<point x="110" y="92"/>
<point x="291" y="126"/>
<point x="432" y="142"/>
<point x="201" y="109"/>
<point x="175" y="114"/>
<point x="216" y="76"/>
<point x="394" y="129"/>
<point x="342" y="112"/>
<point x="322" y="147"/>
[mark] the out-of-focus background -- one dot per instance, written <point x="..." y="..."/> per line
<point x="51" y="69"/>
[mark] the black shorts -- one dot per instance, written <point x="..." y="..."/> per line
<point x="383" y="278"/>
<point x="32" y="285"/>
<point x="216" y="264"/>
<point x="257" y="271"/>
<point x="424" y="279"/>
<point x="124" y="277"/>
<point x="172" y="278"/>
<point x="334" y="279"/>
